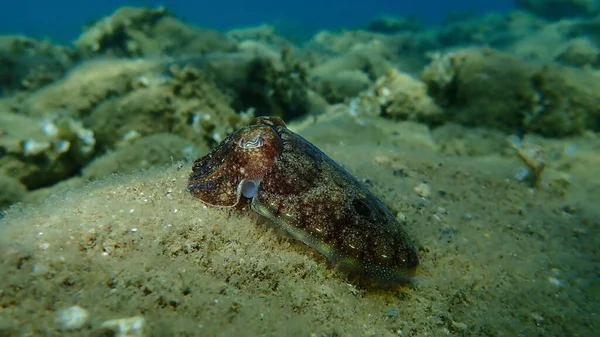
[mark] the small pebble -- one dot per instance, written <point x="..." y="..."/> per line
<point x="126" y="327"/>
<point x="72" y="318"/>
<point x="554" y="281"/>
<point x="459" y="326"/>
<point x="537" y="318"/>
<point x="423" y="190"/>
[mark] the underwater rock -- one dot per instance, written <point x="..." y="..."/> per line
<point x="88" y="85"/>
<point x="481" y="87"/>
<point x="497" y="30"/>
<point x="264" y="34"/>
<point x="559" y="9"/>
<point x="140" y="112"/>
<point x="185" y="102"/>
<point x="392" y="24"/>
<point x="580" y="52"/>
<point x="339" y="85"/>
<point x="396" y="95"/>
<point x="359" y="68"/>
<point x="27" y="64"/>
<point x="333" y="43"/>
<point x="486" y="87"/>
<point x="546" y="41"/>
<point x="202" y="109"/>
<point x="279" y="88"/>
<point x="42" y="151"/>
<point x="376" y="51"/>
<point x="261" y="80"/>
<point x="567" y="101"/>
<point x="400" y="96"/>
<point x="134" y="32"/>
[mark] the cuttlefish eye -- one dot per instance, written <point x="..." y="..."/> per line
<point x="249" y="188"/>
<point x="251" y="144"/>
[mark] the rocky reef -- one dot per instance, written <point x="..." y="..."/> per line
<point x="142" y="71"/>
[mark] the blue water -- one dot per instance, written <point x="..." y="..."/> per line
<point x="61" y="20"/>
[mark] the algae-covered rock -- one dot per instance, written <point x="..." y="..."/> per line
<point x="393" y="24"/>
<point x="155" y="150"/>
<point x="404" y="97"/>
<point x="275" y="87"/>
<point x="186" y="103"/>
<point x="339" y="85"/>
<point x="558" y="9"/>
<point x="481" y="87"/>
<point x="27" y="64"/>
<point x="544" y="41"/>
<point x="405" y="51"/>
<point x="346" y="75"/>
<point x="580" y="52"/>
<point x="141" y="112"/>
<point x="348" y="41"/>
<point x="396" y="95"/>
<point x="136" y="31"/>
<point x="88" y="85"/>
<point x="41" y="151"/>
<point x="567" y="101"/>
<point x="485" y="87"/>
<point x="468" y="29"/>
<point x="262" y="80"/>
<point x="264" y="34"/>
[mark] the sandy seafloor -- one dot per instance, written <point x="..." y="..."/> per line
<point x="498" y="258"/>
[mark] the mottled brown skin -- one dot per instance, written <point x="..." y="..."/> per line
<point x="310" y="196"/>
